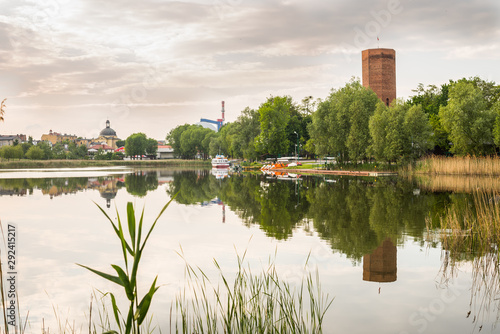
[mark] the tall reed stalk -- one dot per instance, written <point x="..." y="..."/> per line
<point x="473" y="237"/>
<point x="249" y="303"/>
<point x="132" y="248"/>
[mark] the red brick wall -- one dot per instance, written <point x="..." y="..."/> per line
<point x="379" y="72"/>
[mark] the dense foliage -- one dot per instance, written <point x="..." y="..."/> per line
<point x="352" y="125"/>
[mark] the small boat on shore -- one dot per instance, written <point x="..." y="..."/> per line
<point x="220" y="161"/>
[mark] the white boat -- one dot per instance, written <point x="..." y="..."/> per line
<point x="220" y="162"/>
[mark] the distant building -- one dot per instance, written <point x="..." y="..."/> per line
<point x="84" y="141"/>
<point x="207" y="125"/>
<point x="165" y="152"/>
<point x="108" y="136"/>
<point x="56" y="137"/>
<point x="8" y="140"/>
<point x="104" y="147"/>
<point x="379" y="73"/>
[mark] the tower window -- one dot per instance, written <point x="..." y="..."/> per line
<point x="387" y="101"/>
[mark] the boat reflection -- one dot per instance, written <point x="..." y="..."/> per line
<point x="220" y="173"/>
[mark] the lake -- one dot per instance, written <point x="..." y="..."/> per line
<point x="373" y="241"/>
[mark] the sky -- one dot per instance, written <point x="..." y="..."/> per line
<point x="151" y="65"/>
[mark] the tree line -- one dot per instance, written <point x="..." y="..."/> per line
<point x="136" y="145"/>
<point x="352" y="125"/>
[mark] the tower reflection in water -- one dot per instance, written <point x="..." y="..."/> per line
<point x="381" y="265"/>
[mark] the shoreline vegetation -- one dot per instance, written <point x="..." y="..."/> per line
<point x="431" y="165"/>
<point x="471" y="236"/>
<point x="459" y="165"/>
<point x="14" y="164"/>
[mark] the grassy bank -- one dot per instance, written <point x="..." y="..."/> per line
<point x="468" y="165"/>
<point x="13" y="164"/>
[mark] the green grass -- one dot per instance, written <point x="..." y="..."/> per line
<point x="249" y="303"/>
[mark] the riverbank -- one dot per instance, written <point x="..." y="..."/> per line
<point x="14" y="164"/>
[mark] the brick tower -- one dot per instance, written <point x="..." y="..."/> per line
<point x="379" y="73"/>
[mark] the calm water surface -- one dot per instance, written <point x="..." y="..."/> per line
<point x="368" y="238"/>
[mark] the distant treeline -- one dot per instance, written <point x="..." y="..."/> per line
<point x="460" y="117"/>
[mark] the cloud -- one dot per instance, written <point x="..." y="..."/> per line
<point x="158" y="54"/>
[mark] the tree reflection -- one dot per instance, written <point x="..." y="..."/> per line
<point x="194" y="187"/>
<point x="138" y="184"/>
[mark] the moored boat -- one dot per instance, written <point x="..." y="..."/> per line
<point x="220" y="161"/>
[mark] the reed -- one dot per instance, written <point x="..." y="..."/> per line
<point x="457" y="183"/>
<point x="249" y="303"/>
<point x="132" y="248"/>
<point x="472" y="236"/>
<point x="467" y="165"/>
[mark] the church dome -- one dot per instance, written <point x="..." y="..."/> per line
<point x="108" y="131"/>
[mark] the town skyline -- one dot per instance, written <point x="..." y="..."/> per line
<point x="69" y="67"/>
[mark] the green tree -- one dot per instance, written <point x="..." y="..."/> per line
<point x="359" y="136"/>
<point x="135" y="145"/>
<point x="99" y="155"/>
<point x="26" y="146"/>
<point x="12" y="152"/>
<point x="205" y="143"/>
<point x="297" y="127"/>
<point x="58" y="151"/>
<point x="273" y="116"/>
<point x="46" y="148"/>
<point x="395" y="144"/>
<point x="399" y="133"/>
<point x="120" y="143"/>
<point x="468" y="120"/>
<point x="378" y="133"/>
<point x="496" y="128"/>
<point x="192" y="141"/>
<point x="174" y="139"/>
<point x="215" y="145"/>
<point x="81" y="152"/>
<point x="418" y="130"/>
<point x="151" y="147"/>
<point x="249" y="130"/>
<point x="35" y="153"/>
<point x="229" y="143"/>
<point x="332" y="121"/>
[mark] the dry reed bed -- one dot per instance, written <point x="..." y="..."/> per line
<point x="456" y="183"/>
<point x="468" y="165"/>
